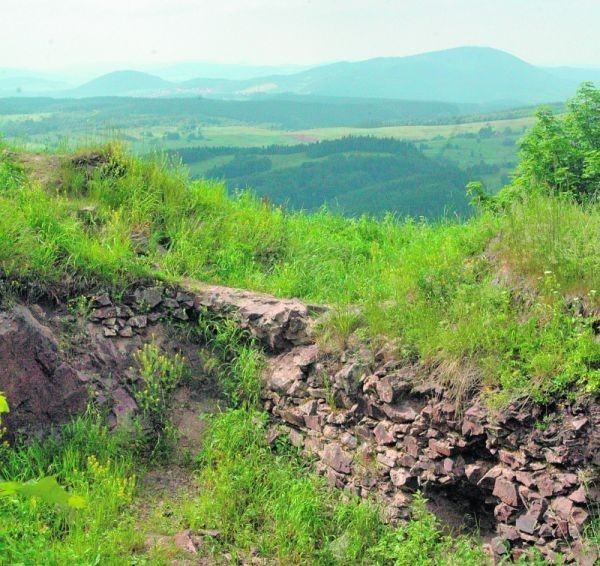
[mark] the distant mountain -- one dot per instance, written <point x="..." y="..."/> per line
<point x="123" y="83"/>
<point x="481" y="76"/>
<point x="576" y="74"/>
<point x="462" y="75"/>
<point x="188" y="70"/>
<point x="25" y="82"/>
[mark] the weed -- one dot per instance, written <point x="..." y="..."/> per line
<point x="160" y="375"/>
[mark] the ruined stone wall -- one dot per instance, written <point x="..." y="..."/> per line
<point x="379" y="429"/>
<point x="52" y="360"/>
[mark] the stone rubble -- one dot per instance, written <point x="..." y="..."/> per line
<point x="376" y="428"/>
<point x="380" y="430"/>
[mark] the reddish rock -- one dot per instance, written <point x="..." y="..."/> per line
<point x="562" y="506"/>
<point x="124" y="405"/>
<point x="309" y="408"/>
<point x="527" y="523"/>
<point x="579" y="517"/>
<point x="40" y="387"/>
<point x="579" y="495"/>
<point x="545" y="485"/>
<point x="293" y="416"/>
<point x="277" y="323"/>
<point x="396" y="414"/>
<point x="349" y="440"/>
<point x="139" y="321"/>
<point x="411" y="445"/>
<point x="499" y="546"/>
<point x="400" y="478"/>
<point x="313" y="422"/>
<point x="471" y="428"/>
<point x="474" y="472"/>
<point x="513" y="459"/>
<point x="284" y="373"/>
<point x="104" y="313"/>
<point x="337" y="458"/>
<point x="578" y="424"/>
<point x="385" y="390"/>
<point x="441" y="447"/>
<point x="149" y="297"/>
<point x="448" y="465"/>
<point x="126" y="332"/>
<point x="503" y="512"/>
<point x="433" y="433"/>
<point x="388" y="458"/>
<point x="506" y="491"/>
<point x="382" y="434"/>
<point x="525" y="478"/>
<point x="508" y="532"/>
<point x="556" y="455"/>
<point x="406" y="460"/>
<point x="296" y="438"/>
<point x="370" y="384"/>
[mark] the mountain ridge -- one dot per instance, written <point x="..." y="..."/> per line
<point x="467" y="75"/>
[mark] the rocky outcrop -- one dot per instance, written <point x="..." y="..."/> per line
<point x="53" y="362"/>
<point x="41" y="387"/>
<point x="525" y="474"/>
<point x="277" y="323"/>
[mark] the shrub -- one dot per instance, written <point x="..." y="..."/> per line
<point x="562" y="154"/>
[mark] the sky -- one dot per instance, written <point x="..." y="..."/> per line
<point x="55" y="34"/>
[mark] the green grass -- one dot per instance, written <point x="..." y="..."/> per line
<point x="271" y="501"/>
<point x="89" y="461"/>
<point x="435" y="288"/>
<point x="417" y="133"/>
<point x="263" y="501"/>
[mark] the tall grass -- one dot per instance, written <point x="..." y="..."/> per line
<point x="271" y="502"/>
<point x="443" y="292"/>
<point x="90" y="461"/>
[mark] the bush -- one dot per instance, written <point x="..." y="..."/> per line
<point x="562" y="154"/>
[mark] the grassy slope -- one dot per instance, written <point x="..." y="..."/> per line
<point x="414" y="281"/>
<point x="440" y="291"/>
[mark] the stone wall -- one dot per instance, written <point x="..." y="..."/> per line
<point x="525" y="474"/>
<point x="377" y="427"/>
<point x="52" y="360"/>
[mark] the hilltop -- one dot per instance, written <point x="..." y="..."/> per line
<point x="399" y="360"/>
<point x="122" y="83"/>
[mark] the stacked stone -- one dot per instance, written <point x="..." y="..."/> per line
<point x="386" y="433"/>
<point x="277" y="324"/>
<point x="147" y="305"/>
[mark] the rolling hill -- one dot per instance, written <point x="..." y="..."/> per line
<point x="123" y="83"/>
<point x="476" y="75"/>
<point x="352" y="175"/>
<point x="481" y="76"/>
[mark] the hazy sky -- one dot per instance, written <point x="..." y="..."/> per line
<point x="46" y="34"/>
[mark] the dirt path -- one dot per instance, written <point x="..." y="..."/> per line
<point x="165" y="491"/>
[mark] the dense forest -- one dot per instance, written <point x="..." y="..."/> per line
<point x="353" y="175"/>
<point x="284" y="112"/>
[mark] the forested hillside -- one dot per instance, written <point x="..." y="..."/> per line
<point x="352" y="175"/>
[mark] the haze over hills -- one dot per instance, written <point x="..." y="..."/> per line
<point x="123" y="83"/>
<point x="475" y="75"/>
<point x="472" y="75"/>
<point x="189" y="70"/>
